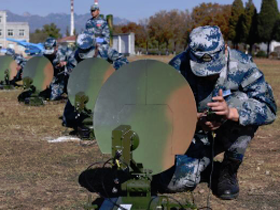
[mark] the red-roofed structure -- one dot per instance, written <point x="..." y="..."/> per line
<point x="67" y="39"/>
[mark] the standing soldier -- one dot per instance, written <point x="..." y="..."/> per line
<point x="99" y="27"/>
<point x="58" y="57"/>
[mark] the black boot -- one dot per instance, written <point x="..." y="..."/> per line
<point x="83" y="132"/>
<point x="227" y="186"/>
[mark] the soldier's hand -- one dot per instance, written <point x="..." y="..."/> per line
<point x="18" y="67"/>
<point x="220" y="107"/>
<point x="61" y="64"/>
<point x="205" y="124"/>
<point x="99" y="40"/>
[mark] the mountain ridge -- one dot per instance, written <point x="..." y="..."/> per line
<point x="61" y="20"/>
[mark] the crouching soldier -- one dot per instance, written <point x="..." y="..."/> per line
<point x="233" y="100"/>
<point x="87" y="48"/>
<point x="58" y="56"/>
<point x="20" y="61"/>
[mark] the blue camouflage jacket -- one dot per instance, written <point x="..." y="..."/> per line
<point x="256" y="104"/>
<point x="112" y="56"/>
<point x="100" y="28"/>
<point x="62" y="54"/>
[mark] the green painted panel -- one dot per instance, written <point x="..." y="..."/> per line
<point x="40" y="70"/>
<point x="88" y="77"/>
<point x="157" y="102"/>
<point x="7" y="62"/>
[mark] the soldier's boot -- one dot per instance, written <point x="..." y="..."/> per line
<point x="83" y="132"/>
<point x="227" y="186"/>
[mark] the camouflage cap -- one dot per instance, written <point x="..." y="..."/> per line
<point x="207" y="51"/>
<point x="49" y="45"/>
<point x="63" y="53"/>
<point x="86" y="43"/>
<point x="10" y="51"/>
<point x="94" y="7"/>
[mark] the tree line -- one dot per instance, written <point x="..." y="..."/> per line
<point x="169" y="30"/>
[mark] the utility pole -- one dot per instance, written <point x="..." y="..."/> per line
<point x="4" y="28"/>
<point x="72" y="19"/>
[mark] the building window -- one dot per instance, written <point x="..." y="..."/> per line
<point x="0" y="19"/>
<point x="10" y="32"/>
<point x="21" y="32"/>
<point x="0" y="32"/>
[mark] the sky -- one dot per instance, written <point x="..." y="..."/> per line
<point x="133" y="10"/>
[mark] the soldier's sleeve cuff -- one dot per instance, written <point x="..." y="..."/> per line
<point x="243" y="116"/>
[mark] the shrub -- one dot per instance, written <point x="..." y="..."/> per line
<point x="261" y="54"/>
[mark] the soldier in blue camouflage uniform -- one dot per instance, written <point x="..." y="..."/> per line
<point x="232" y="99"/>
<point x="99" y="27"/>
<point x="20" y="60"/>
<point x="58" y="57"/>
<point x="88" y="48"/>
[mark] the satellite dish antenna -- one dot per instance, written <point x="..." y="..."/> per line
<point x="158" y="104"/>
<point x="39" y="72"/>
<point x="87" y="78"/>
<point x="7" y="67"/>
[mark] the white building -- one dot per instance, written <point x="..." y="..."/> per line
<point x="274" y="46"/>
<point x="14" y="30"/>
<point x="124" y="43"/>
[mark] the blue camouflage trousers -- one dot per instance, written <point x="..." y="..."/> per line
<point x="231" y="138"/>
<point x="58" y="87"/>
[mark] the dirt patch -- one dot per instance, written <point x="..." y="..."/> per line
<point x="38" y="175"/>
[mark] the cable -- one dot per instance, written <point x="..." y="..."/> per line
<point x="211" y="173"/>
<point x="89" y="184"/>
<point x="88" y="144"/>
<point x="176" y="201"/>
<point x="193" y="198"/>
<point x="212" y="169"/>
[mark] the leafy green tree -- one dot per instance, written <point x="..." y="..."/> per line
<point x="276" y="31"/>
<point x="52" y="31"/>
<point x="235" y="22"/>
<point x="67" y="31"/>
<point x="38" y="36"/>
<point x="47" y="31"/>
<point x="249" y="25"/>
<point x="268" y="17"/>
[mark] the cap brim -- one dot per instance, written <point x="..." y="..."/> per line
<point x="89" y="54"/>
<point x="209" y="68"/>
<point x="48" y="52"/>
